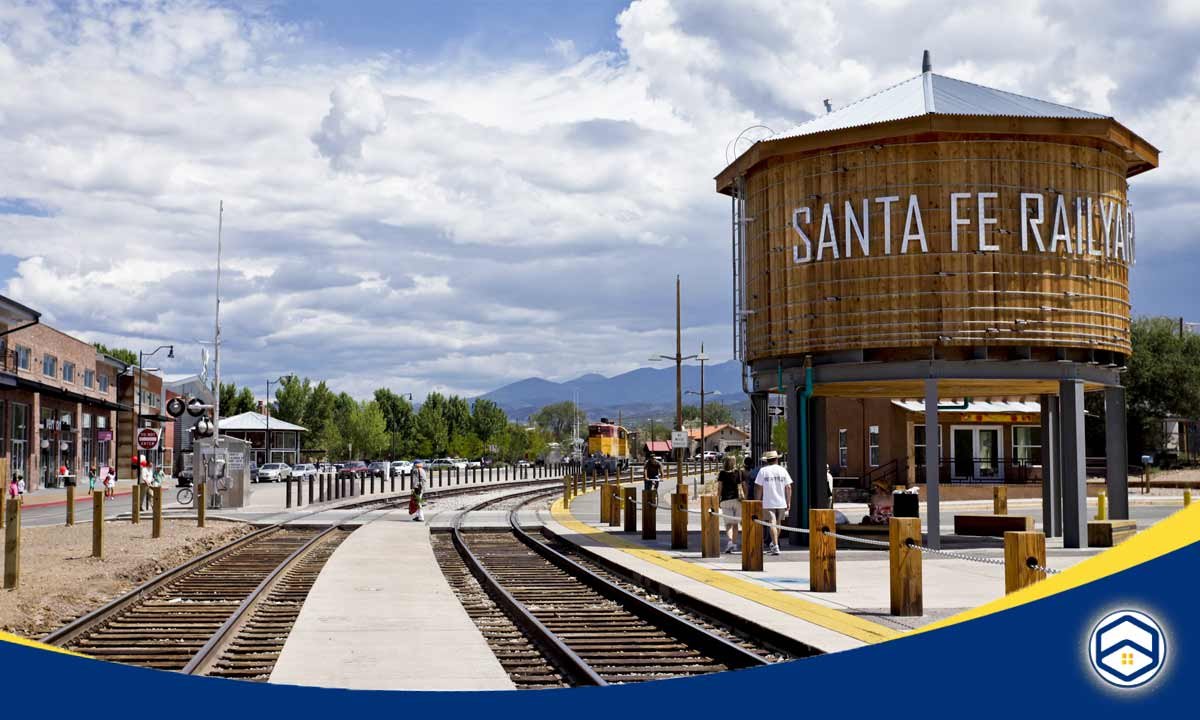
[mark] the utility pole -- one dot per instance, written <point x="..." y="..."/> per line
<point x="212" y="465"/>
<point x="678" y="358"/>
<point x="702" y="358"/>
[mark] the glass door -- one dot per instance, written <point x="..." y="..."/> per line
<point x="976" y="453"/>
<point x="964" y="452"/>
<point x="987" y="453"/>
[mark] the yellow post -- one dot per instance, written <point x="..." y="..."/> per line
<point x="1101" y="506"/>
<point x="1187" y="498"/>
<point x="12" y="545"/>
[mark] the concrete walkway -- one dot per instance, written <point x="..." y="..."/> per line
<point x="382" y="617"/>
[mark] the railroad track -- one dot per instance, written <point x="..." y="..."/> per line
<point x="587" y="629"/>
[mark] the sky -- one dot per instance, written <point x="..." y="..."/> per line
<point x="453" y="196"/>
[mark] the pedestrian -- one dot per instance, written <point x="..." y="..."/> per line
<point x="652" y="472"/>
<point x="773" y="486"/>
<point x="108" y="478"/>
<point x="750" y="472"/>
<point x="14" y="489"/>
<point x="416" y="496"/>
<point x="732" y="484"/>
<point x="21" y="484"/>
<point x="92" y="479"/>
<point x="157" y="479"/>
<point x="143" y="480"/>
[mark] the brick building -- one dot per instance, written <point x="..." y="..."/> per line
<point x="141" y="393"/>
<point x="58" y="401"/>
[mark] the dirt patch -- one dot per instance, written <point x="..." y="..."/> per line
<point x="60" y="580"/>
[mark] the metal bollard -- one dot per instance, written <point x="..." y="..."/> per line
<point x="649" y="514"/>
<point x="679" y="518"/>
<point x="311" y="480"/>
<point x="1024" y="556"/>
<point x="822" y="551"/>
<point x="98" y="523"/>
<point x="630" y="509"/>
<point x="1000" y="500"/>
<point x="752" y="535"/>
<point x="321" y="480"/>
<point x="905" y="565"/>
<point x="288" y="483"/>
<point x="710" y="527"/>
<point x="12" y="544"/>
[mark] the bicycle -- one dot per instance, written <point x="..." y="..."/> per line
<point x="185" y="496"/>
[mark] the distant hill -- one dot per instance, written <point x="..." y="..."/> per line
<point x="648" y="391"/>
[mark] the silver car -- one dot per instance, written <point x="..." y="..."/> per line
<point x="274" y="472"/>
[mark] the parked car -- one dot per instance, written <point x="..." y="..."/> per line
<point x="712" y="455"/>
<point x="401" y="467"/>
<point x="474" y="464"/>
<point x="303" y="471"/>
<point x="353" y="469"/>
<point x="447" y="462"/>
<point x="274" y="472"/>
<point x="380" y="469"/>
<point x="524" y="464"/>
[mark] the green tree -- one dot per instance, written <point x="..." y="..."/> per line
<point x="715" y="413"/>
<point x="432" y="431"/>
<point x="1163" y="380"/>
<point x="458" y="417"/>
<point x="128" y="357"/>
<point x="398" y="413"/>
<point x="559" y="419"/>
<point x="515" y="444"/>
<point x="318" y="411"/>
<point x="488" y="419"/>
<point x="291" y="399"/>
<point x="365" y="432"/>
<point x="245" y="401"/>
<point x="779" y="437"/>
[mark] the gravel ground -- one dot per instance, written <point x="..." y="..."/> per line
<point x="60" y="580"/>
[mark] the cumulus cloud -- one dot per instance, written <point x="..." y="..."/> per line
<point x="460" y="223"/>
<point x="357" y="111"/>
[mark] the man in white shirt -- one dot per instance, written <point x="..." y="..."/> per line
<point x="773" y="486"/>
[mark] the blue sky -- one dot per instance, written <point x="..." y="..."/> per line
<point x="454" y="196"/>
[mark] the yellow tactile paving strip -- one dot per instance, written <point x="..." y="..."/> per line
<point x="836" y="620"/>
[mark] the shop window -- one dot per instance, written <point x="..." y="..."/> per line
<point x="873" y="446"/>
<point x="23" y="357"/>
<point x="1027" y="444"/>
<point x="920" y="445"/>
<point x="50" y="366"/>
<point x="69" y="372"/>
<point x="19" y="437"/>
<point x="843" y="448"/>
<point x="89" y="378"/>
<point x="103" y="383"/>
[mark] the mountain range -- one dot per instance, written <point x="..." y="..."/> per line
<point x="648" y="391"/>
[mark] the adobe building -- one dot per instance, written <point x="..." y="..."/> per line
<point x="717" y="438"/>
<point x="936" y="241"/>
<point x="58" y="401"/>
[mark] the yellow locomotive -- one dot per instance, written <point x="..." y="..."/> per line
<point x="607" y="447"/>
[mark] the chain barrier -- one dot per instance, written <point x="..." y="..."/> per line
<point x="975" y="558"/>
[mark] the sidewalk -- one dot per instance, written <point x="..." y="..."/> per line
<point x="49" y="497"/>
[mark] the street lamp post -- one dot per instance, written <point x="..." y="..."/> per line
<point x="137" y="420"/>
<point x="702" y="358"/>
<point x="281" y="379"/>
<point x="678" y="357"/>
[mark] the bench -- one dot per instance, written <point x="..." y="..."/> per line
<point x="991" y="525"/>
<point x="1106" y="533"/>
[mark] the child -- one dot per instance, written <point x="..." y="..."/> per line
<point x="92" y="479"/>
<point x="13" y="488"/>
<point x="110" y="482"/>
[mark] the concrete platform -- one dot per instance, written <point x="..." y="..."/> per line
<point x="382" y="617"/>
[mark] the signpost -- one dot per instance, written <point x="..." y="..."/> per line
<point x="147" y="438"/>
<point x="679" y="439"/>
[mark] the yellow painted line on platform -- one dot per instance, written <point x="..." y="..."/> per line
<point x="1177" y="531"/>
<point x="826" y="617"/>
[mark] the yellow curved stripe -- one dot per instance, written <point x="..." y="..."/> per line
<point x="1177" y="531"/>
<point x="836" y="620"/>
<point x="18" y="640"/>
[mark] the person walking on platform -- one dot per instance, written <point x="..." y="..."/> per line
<point x="143" y="479"/>
<point x="652" y="472"/>
<point x="416" y="496"/>
<point x="773" y="486"/>
<point x="732" y="484"/>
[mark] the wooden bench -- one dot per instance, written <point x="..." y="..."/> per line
<point x="991" y="525"/>
<point x="1106" y="533"/>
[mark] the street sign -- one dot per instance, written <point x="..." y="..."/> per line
<point x="679" y="439"/>
<point x="775" y="410"/>
<point x="147" y="438"/>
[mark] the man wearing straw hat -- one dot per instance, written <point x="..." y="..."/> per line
<point x="773" y="486"/>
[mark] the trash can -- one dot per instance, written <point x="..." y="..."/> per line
<point x="906" y="505"/>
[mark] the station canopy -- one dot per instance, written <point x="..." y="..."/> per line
<point x="256" y="421"/>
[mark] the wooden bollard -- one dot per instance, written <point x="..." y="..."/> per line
<point x="288" y="483"/>
<point x="3" y="500"/>
<point x="679" y="519"/>
<point x="156" y="526"/>
<point x="1024" y="554"/>
<point x="822" y="551"/>
<point x="201" y="504"/>
<point x="70" y="505"/>
<point x="905" y="562"/>
<point x="630" y="509"/>
<point x="649" y="514"/>
<point x="752" y="535"/>
<point x="98" y="523"/>
<point x="1000" y="500"/>
<point x="604" y="509"/>
<point x="710" y="526"/>
<point x="12" y="544"/>
<point x="614" y="505"/>
<point x="135" y="494"/>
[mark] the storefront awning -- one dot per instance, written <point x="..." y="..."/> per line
<point x="64" y="394"/>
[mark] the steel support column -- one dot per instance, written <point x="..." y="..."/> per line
<point x="760" y="426"/>
<point x="1117" y="451"/>
<point x="1074" y="468"/>
<point x="1051" y="497"/>
<point x="794" y="461"/>
<point x="933" y="464"/>
<point x="818" y="487"/>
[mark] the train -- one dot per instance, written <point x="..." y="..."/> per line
<point x="607" y="447"/>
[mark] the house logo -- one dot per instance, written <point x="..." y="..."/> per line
<point x="1127" y="648"/>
